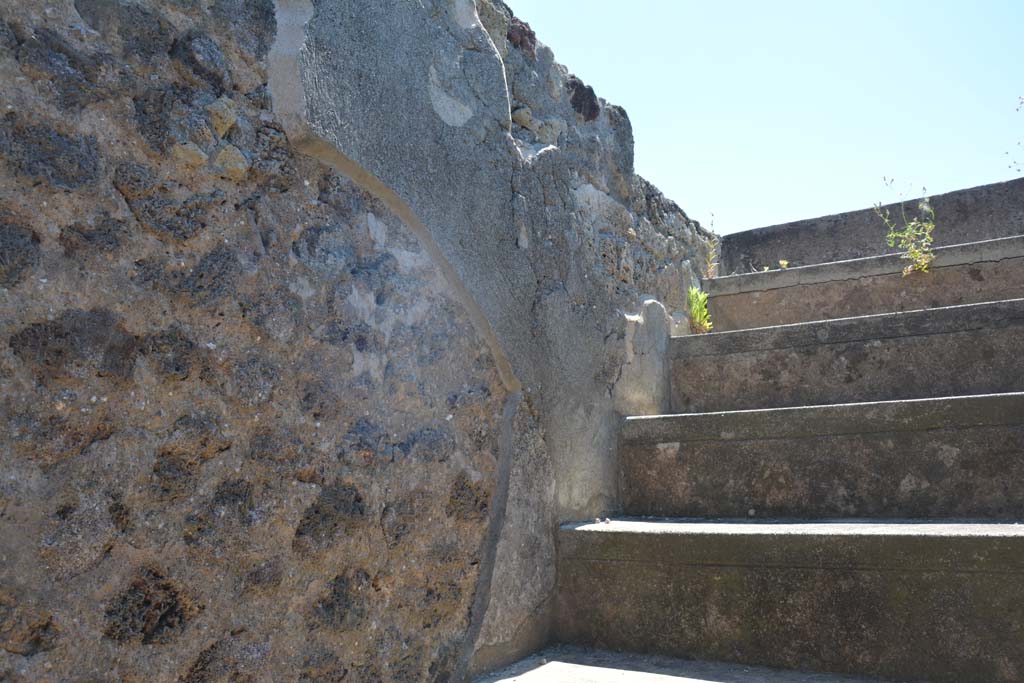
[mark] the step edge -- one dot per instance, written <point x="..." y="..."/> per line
<point x="950" y="256"/>
<point x="828" y="527"/>
<point x="870" y="417"/>
<point x="886" y="545"/>
<point x="917" y="322"/>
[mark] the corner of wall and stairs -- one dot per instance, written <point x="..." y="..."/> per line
<point x="519" y="183"/>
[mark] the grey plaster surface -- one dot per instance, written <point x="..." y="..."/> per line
<point x="971" y="215"/>
<point x="519" y="182"/>
<point x="567" y="664"/>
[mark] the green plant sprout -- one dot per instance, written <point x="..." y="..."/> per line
<point x="711" y="260"/>
<point x="912" y="237"/>
<point x="700" y="320"/>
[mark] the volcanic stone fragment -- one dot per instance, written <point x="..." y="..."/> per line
<point x="202" y="57"/>
<point x="523" y="37"/>
<point x="165" y="208"/>
<point x="468" y="500"/>
<point x="172" y="353"/>
<point x="43" y="154"/>
<point x="105" y="235"/>
<point x="338" y="508"/>
<point x="343" y="607"/>
<point x="8" y="39"/>
<point x="75" y="341"/>
<point x="583" y="99"/>
<point x="24" y="630"/>
<point x="151" y="609"/>
<point x="252" y="23"/>
<point x="19" y="252"/>
<point x="67" y="72"/>
<point x="143" y="31"/>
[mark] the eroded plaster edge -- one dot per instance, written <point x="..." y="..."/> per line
<point x="489" y="548"/>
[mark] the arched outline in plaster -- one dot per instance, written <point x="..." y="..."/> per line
<point x="289" y="103"/>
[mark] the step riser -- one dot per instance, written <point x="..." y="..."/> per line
<point x="966" y="473"/>
<point x="818" y="603"/>
<point x="943" y="352"/>
<point x="979" y="213"/>
<point x="944" y="286"/>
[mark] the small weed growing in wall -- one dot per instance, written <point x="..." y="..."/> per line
<point x="711" y="260"/>
<point x="700" y="320"/>
<point x="1014" y="162"/>
<point x="912" y="237"/>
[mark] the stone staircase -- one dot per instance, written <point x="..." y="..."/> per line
<point x="839" y="486"/>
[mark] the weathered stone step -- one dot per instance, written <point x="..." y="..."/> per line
<point x="951" y="351"/>
<point x="568" y="664"/>
<point x="979" y="213"/>
<point x="909" y="601"/>
<point x="947" y="457"/>
<point x="992" y="270"/>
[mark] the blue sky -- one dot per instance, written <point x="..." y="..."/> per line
<point x="765" y="112"/>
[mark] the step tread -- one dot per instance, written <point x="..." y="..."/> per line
<point x="832" y="419"/>
<point x="920" y="322"/>
<point x="566" y="664"/>
<point x="869" y="266"/>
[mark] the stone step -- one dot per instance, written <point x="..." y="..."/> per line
<point x="950" y="351"/>
<point x="992" y="270"/>
<point x="908" y="601"/>
<point x="568" y="664"/>
<point x="980" y="213"/>
<point x="947" y="457"/>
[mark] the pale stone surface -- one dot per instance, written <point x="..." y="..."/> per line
<point x="643" y="386"/>
<point x="222" y="115"/>
<point x="231" y="162"/>
<point x="189" y="154"/>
